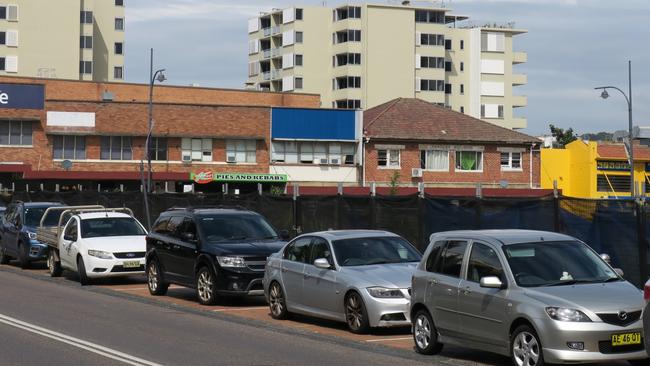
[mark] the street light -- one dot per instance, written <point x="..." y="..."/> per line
<point x="605" y="95"/>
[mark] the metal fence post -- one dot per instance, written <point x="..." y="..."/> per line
<point x="259" y="188"/>
<point x="556" y="207"/>
<point x="641" y="239"/>
<point x="479" y="208"/>
<point x="373" y="205"/>
<point x="296" y="209"/>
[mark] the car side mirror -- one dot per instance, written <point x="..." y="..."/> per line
<point x="284" y="234"/>
<point x="322" y="263"/>
<point x="70" y="237"/>
<point x="491" y="282"/>
<point x="619" y="272"/>
<point x="188" y="236"/>
<point x="606" y="258"/>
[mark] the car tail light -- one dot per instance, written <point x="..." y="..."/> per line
<point x="646" y="292"/>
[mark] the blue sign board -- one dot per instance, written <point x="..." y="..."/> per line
<point x="22" y="96"/>
<point x="314" y="124"/>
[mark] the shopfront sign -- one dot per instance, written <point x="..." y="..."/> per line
<point x="22" y="96"/>
<point x="208" y="176"/>
<point x="619" y="166"/>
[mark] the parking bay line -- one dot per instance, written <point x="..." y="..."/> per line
<point x="389" y="339"/>
<point x="76" y="342"/>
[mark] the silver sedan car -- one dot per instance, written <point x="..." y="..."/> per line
<point x="534" y="296"/>
<point x="354" y="276"/>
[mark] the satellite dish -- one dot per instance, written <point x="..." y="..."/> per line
<point x="66" y="164"/>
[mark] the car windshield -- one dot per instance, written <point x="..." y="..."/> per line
<point x="110" y="226"/>
<point x="33" y="217"/>
<point x="556" y="264"/>
<point x="225" y="228"/>
<point x="374" y="250"/>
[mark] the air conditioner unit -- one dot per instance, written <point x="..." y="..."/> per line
<point x="323" y="161"/>
<point x="335" y="161"/>
<point x="231" y="159"/>
<point x="416" y="173"/>
<point x="187" y="158"/>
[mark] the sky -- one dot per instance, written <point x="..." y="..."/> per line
<point x="572" y="45"/>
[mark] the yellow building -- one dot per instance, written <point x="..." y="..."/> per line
<point x="588" y="169"/>
<point x="364" y="55"/>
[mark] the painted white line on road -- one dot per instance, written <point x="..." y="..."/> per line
<point x="76" y="342"/>
<point x="389" y="339"/>
<point x="242" y="309"/>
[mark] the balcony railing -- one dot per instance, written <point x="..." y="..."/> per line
<point x="519" y="79"/>
<point x="519" y="57"/>
<point x="266" y="75"/>
<point x="266" y="53"/>
<point x="519" y="101"/>
<point x="276" y="74"/>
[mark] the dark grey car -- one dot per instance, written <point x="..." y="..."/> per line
<point x="534" y="296"/>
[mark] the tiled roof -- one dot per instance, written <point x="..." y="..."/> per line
<point x="617" y="151"/>
<point x="415" y="119"/>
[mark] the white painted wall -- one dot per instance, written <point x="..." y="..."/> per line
<point x="71" y="119"/>
<point x="492" y="88"/>
<point x="317" y="173"/>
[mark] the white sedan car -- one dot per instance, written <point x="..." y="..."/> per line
<point x="102" y="244"/>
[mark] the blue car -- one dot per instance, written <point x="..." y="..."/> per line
<point x="18" y="232"/>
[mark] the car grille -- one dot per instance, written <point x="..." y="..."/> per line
<point x="121" y="269"/>
<point x="606" y="347"/>
<point x="129" y="255"/>
<point x="255" y="263"/>
<point x="613" y="318"/>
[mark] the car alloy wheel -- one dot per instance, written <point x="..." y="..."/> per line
<point x="157" y="286"/>
<point x="4" y="258"/>
<point x="53" y="265"/>
<point x="355" y="313"/>
<point x="205" y="286"/>
<point x="277" y="302"/>
<point x="526" y="349"/>
<point x="422" y="331"/>
<point x="152" y="277"/>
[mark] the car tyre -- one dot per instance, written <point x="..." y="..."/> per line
<point x="53" y="266"/>
<point x="157" y="286"/>
<point x="425" y="334"/>
<point x="356" y="315"/>
<point x="206" y="286"/>
<point x="4" y="258"/>
<point x="277" y="302"/>
<point x="23" y="256"/>
<point x="525" y="347"/>
<point x="81" y="269"/>
<point x="642" y="362"/>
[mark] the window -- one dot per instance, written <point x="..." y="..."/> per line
<point x="3" y="38"/>
<point x="469" y="160"/>
<point x="462" y="44"/>
<point x="447" y="88"/>
<point x="158" y="148"/>
<point x="321" y="249"/>
<point x="118" y="72"/>
<point x="432" y="85"/>
<point x="298" y="60"/>
<point x="16" y="133"/>
<point x="612" y="183"/>
<point x="160" y="227"/>
<point x="3" y="64"/>
<point x="119" y="2"/>
<point x="86" y="42"/>
<point x="462" y="109"/>
<point x="71" y="228"/>
<point x="334" y="153"/>
<point x="483" y="262"/>
<point x="298" y="251"/>
<point x="347" y="82"/>
<point x="492" y="42"/>
<point x="241" y="151"/>
<point x="433" y="260"/>
<point x="297" y="84"/>
<point x="85" y="67"/>
<point x="432" y="62"/>
<point x="343" y="59"/>
<point x="298" y="14"/>
<point x="388" y="158"/>
<point x="448" y="44"/>
<point x="116" y="148"/>
<point x="452" y="258"/>
<point x="511" y="161"/>
<point x="298" y="37"/>
<point x="119" y="24"/>
<point x="348" y="104"/>
<point x="437" y="160"/>
<point x="69" y="147"/>
<point x="448" y="66"/>
<point x="462" y="89"/>
<point x="86" y="17"/>
<point x="3" y="12"/>
<point x="196" y="149"/>
<point x="119" y="48"/>
<point x="428" y="39"/>
<point x="350" y="35"/>
<point x="462" y="66"/>
<point x="428" y="16"/>
<point x="347" y="12"/>
<point x="491" y="111"/>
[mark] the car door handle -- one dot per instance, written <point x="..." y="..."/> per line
<point x="307" y="275"/>
<point x="467" y="291"/>
<point x="433" y="282"/>
<point x="284" y="270"/>
<point x="450" y="291"/>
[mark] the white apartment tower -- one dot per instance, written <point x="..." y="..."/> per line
<point x="359" y="56"/>
<point x="64" y="39"/>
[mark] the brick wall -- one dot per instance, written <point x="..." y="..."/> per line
<point x="490" y="176"/>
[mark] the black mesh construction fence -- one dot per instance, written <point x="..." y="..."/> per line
<point x="620" y="228"/>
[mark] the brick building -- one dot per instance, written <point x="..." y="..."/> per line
<point x="72" y="133"/>
<point x="412" y="141"/>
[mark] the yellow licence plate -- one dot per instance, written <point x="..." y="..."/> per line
<point x="131" y="264"/>
<point x="626" y="339"/>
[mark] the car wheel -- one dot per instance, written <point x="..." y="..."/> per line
<point x="355" y="314"/>
<point x="81" y="269"/>
<point x="23" y="256"/>
<point x="206" y="286"/>
<point x="155" y="281"/>
<point x="4" y="258"/>
<point x="425" y="334"/>
<point x="53" y="266"/>
<point x="642" y="362"/>
<point x="525" y="347"/>
<point x="277" y="302"/>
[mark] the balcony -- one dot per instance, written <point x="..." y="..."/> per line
<point x="266" y="53"/>
<point x="519" y="57"/>
<point x="266" y="75"/>
<point x="276" y="30"/>
<point x="266" y="31"/>
<point x="519" y="101"/>
<point x="519" y="79"/>
<point x="518" y="122"/>
<point x="276" y="74"/>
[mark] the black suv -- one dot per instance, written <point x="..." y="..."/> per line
<point x="218" y="251"/>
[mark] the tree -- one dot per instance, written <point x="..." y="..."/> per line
<point x="563" y="137"/>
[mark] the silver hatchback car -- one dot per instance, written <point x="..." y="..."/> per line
<point x="537" y="297"/>
<point x="360" y="277"/>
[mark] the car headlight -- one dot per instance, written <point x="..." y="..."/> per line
<point x="382" y="292"/>
<point x="566" y="315"/>
<point x="32" y="236"/>
<point x="100" y="254"/>
<point x="231" y="262"/>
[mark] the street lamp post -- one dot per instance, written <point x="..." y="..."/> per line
<point x="605" y="95"/>
<point x="159" y="76"/>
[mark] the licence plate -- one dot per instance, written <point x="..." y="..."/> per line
<point x="131" y="264"/>
<point x="626" y="339"/>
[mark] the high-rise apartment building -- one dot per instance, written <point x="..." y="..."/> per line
<point x="359" y="56"/>
<point x="65" y="39"/>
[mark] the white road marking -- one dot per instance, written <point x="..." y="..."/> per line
<point x="242" y="309"/>
<point x="389" y="339"/>
<point x="76" y="342"/>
